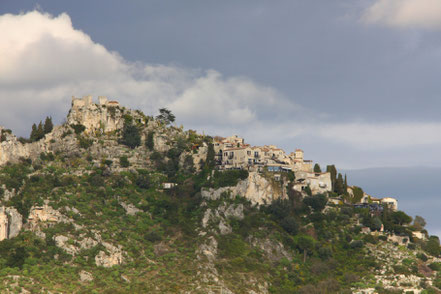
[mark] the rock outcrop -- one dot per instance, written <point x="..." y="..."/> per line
<point x="11" y="223"/>
<point x="255" y="188"/>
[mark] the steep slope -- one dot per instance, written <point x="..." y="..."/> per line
<point x="110" y="202"/>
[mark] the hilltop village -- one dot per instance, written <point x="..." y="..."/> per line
<point x="231" y="153"/>
<point x="113" y="194"/>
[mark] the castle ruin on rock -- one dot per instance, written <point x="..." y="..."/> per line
<point x="105" y="116"/>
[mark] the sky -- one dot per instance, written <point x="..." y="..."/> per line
<point x="354" y="83"/>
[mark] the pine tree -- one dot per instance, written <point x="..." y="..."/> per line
<point x="48" y="125"/>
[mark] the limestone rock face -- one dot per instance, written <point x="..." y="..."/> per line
<point x="85" y="276"/>
<point x="15" y="222"/>
<point x="256" y="188"/>
<point x="130" y="208"/>
<point x="96" y="117"/>
<point x="11" y="150"/>
<point x="11" y="223"/>
<point x="114" y="256"/>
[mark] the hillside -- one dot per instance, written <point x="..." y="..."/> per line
<point x="116" y="201"/>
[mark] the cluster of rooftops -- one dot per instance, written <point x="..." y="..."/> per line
<point x="233" y="153"/>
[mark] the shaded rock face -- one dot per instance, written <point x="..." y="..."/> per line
<point x="11" y="150"/>
<point x="11" y="223"/>
<point x="256" y="188"/>
<point x="15" y="222"/>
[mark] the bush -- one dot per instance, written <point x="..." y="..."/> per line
<point x="228" y="178"/>
<point x="84" y="142"/>
<point x="232" y="246"/>
<point x="436" y="266"/>
<point x="123" y="161"/>
<point x="130" y="135"/>
<point x="411" y="246"/>
<point x="370" y="239"/>
<point x="78" y="128"/>
<point x="290" y="225"/>
<point x="356" y="244"/>
<point x="149" y="142"/>
<point x="317" y="202"/>
<point x="422" y="256"/>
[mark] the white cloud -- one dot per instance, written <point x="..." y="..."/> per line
<point x="45" y="60"/>
<point x="425" y="14"/>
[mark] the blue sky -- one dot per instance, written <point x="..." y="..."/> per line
<point x="355" y="83"/>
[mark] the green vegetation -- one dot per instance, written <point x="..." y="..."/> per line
<point x="170" y="236"/>
<point x="130" y="134"/>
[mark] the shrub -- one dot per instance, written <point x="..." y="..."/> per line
<point x="436" y="266"/>
<point x="123" y="161"/>
<point x="130" y="135"/>
<point x="231" y="246"/>
<point x="411" y="246"/>
<point x="290" y="225"/>
<point x="78" y="128"/>
<point x="370" y="239"/>
<point x="422" y="256"/>
<point x="317" y="202"/>
<point x="153" y="236"/>
<point x="228" y="178"/>
<point x="356" y="244"/>
<point x="84" y="142"/>
<point x="149" y="142"/>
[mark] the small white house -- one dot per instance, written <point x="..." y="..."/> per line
<point x="168" y="186"/>
<point x="392" y="203"/>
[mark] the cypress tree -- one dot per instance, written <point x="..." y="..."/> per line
<point x="40" y="131"/>
<point x="150" y="143"/>
<point x="209" y="162"/>
<point x="33" y="136"/>
<point x="317" y="168"/>
<point x="339" y="185"/>
<point x="331" y="169"/>
<point x="48" y="125"/>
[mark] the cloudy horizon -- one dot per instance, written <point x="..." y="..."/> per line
<point x="354" y="83"/>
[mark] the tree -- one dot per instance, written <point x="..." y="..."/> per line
<point x="209" y="162"/>
<point x="37" y="132"/>
<point x="358" y="194"/>
<point x="333" y="171"/>
<point x="400" y="218"/>
<point x="419" y="222"/>
<point x="304" y="243"/>
<point x="33" y="136"/>
<point x="346" y="183"/>
<point x="149" y="142"/>
<point x="339" y="185"/>
<point x="317" y="168"/>
<point x="317" y="202"/>
<point x="48" y="125"/>
<point x="130" y="135"/>
<point x="432" y="246"/>
<point x="290" y="225"/>
<point x="40" y="131"/>
<point x="165" y="116"/>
